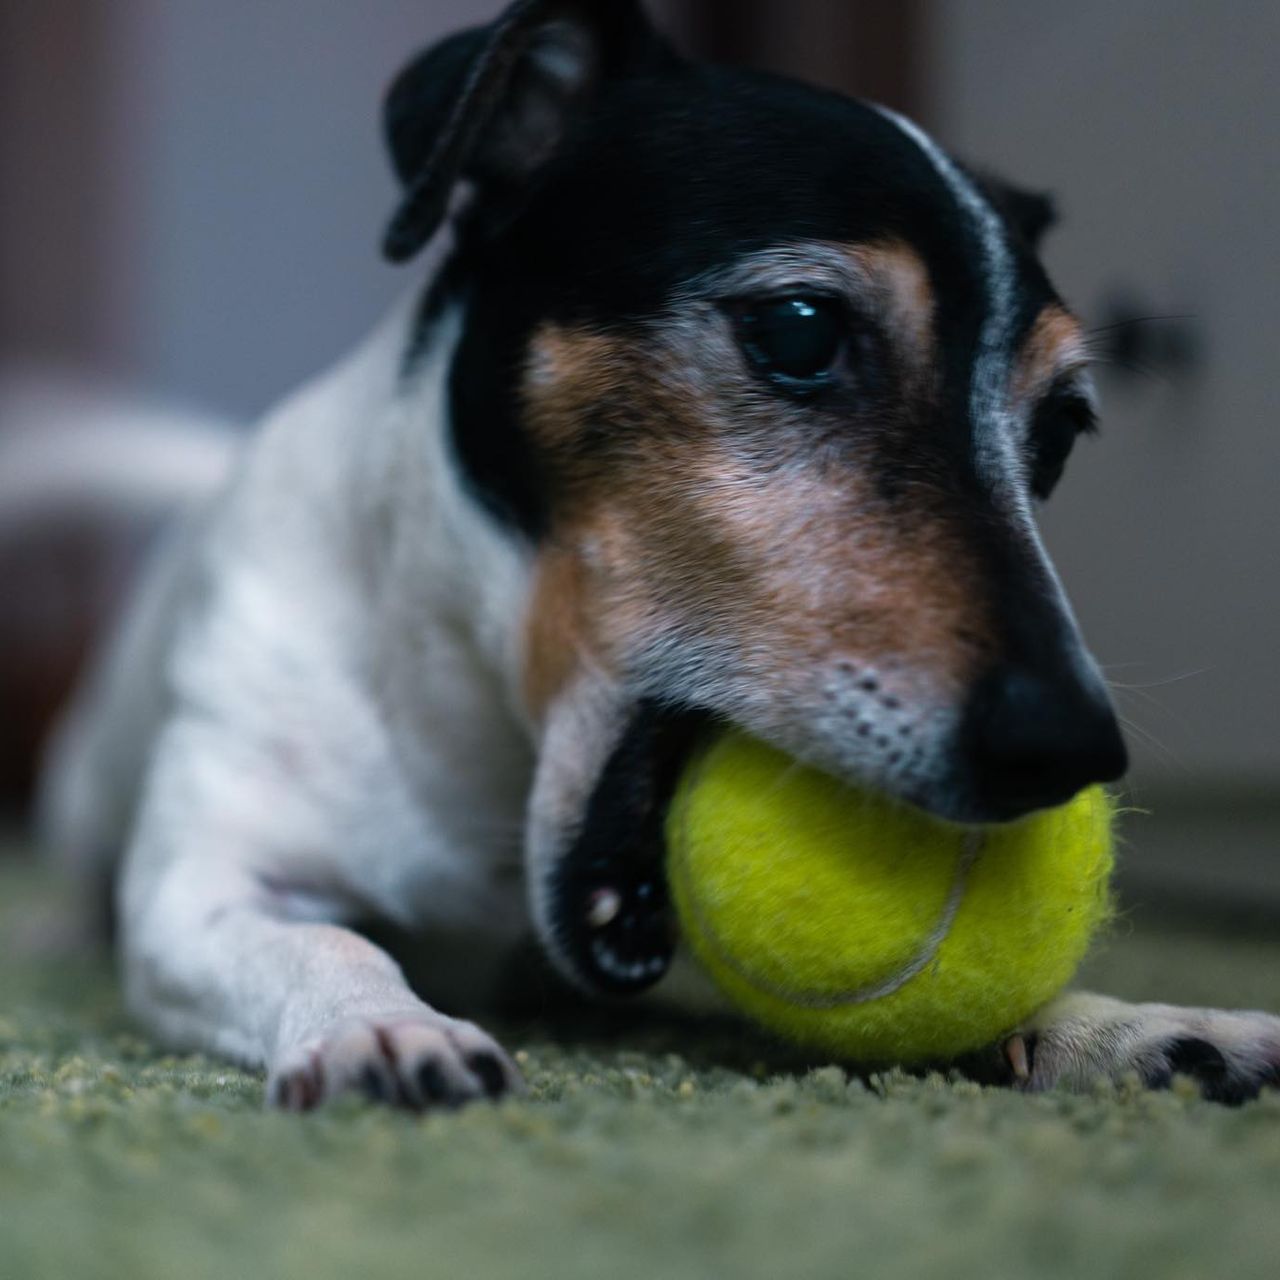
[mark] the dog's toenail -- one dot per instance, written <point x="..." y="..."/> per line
<point x="490" y="1073"/>
<point x="1017" y="1051"/>
<point x="431" y="1082"/>
<point x="304" y="1091"/>
<point x="373" y="1086"/>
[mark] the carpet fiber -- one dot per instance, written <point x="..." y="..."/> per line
<point x="658" y="1150"/>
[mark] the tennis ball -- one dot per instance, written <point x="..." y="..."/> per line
<point x="856" y="925"/>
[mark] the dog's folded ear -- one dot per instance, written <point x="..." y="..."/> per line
<point x="1030" y="213"/>
<point x="491" y="104"/>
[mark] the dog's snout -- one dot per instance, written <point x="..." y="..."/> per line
<point x="1031" y="740"/>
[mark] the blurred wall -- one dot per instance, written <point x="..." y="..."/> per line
<point x="873" y="48"/>
<point x="205" y="183"/>
<point x="54" y="170"/>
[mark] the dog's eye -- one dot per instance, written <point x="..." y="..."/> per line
<point x="795" y="340"/>
<point x="1058" y="422"/>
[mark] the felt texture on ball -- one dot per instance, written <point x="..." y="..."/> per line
<point x="859" y="926"/>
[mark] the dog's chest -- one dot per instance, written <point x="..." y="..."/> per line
<point x="453" y="814"/>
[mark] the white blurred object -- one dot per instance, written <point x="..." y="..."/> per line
<point x="87" y="474"/>
<point x="68" y="447"/>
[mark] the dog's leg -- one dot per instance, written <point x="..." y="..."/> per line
<point x="226" y="947"/>
<point x="1081" y="1038"/>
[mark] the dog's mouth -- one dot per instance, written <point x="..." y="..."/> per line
<point x="610" y="907"/>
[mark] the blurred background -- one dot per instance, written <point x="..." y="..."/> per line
<point x="191" y="196"/>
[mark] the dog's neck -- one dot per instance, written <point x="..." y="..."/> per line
<point x="434" y="545"/>
<point x="440" y="592"/>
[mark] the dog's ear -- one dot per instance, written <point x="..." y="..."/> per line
<point x="1031" y="213"/>
<point x="491" y="104"/>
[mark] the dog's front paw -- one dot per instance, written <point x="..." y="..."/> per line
<point x="1082" y="1038"/>
<point x="417" y="1061"/>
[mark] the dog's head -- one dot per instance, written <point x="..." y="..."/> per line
<point x="770" y="385"/>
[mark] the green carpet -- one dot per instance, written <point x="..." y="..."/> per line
<point x="658" y="1151"/>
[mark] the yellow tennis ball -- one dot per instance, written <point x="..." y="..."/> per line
<point x="870" y="930"/>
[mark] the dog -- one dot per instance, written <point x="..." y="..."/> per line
<point x="727" y="401"/>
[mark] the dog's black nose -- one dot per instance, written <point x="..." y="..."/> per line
<point x="1029" y="741"/>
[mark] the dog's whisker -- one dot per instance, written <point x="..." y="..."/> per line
<point x="1160" y="684"/>
<point x="1130" y="322"/>
<point x="1131" y="365"/>
<point x="1152" y="703"/>
<point x="1148" y="700"/>
<point x="1162" y="749"/>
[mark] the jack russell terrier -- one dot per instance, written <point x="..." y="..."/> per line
<point x="728" y="400"/>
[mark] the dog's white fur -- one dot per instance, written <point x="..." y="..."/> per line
<point x="319" y="680"/>
<point x="312" y="713"/>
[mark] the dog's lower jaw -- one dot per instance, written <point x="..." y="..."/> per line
<point x="608" y="766"/>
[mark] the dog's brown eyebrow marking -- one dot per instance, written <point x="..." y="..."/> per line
<point x="1054" y="346"/>
<point x="902" y="292"/>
